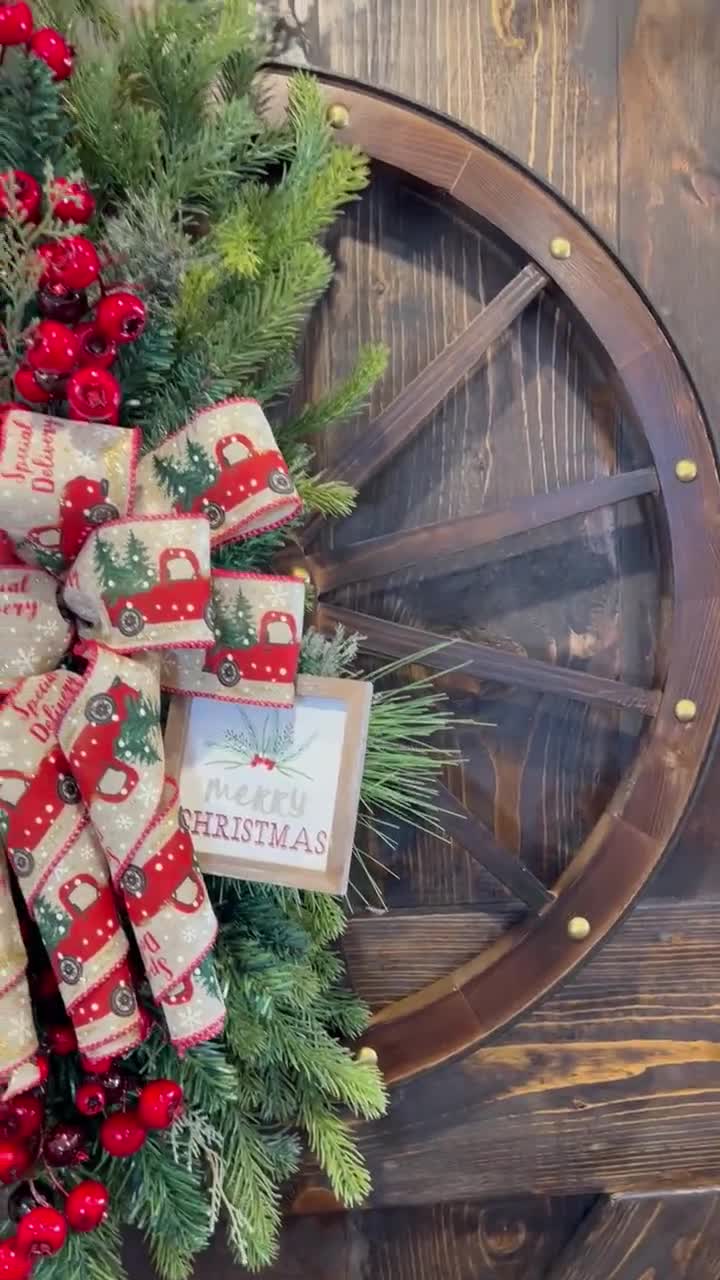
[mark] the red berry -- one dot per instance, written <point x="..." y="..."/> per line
<point x="65" y="1145"/>
<point x="14" y="1265"/>
<point x="61" y="1040"/>
<point x="95" y="1066"/>
<point x="159" y="1103"/>
<point x="72" y="201"/>
<point x="30" y="1114"/>
<point x="48" y="44"/>
<point x="94" y="395"/>
<point x="57" y="302"/>
<point x="121" y="316"/>
<point x="42" y="1232"/>
<point x="28" y="386"/>
<point x="72" y="261"/>
<point x="122" y="1134"/>
<point x="26" y="192"/>
<point x="14" y="1160"/>
<point x="16" y="23"/>
<point x="42" y="1062"/>
<point x="87" y="1206"/>
<point x="94" y="348"/>
<point x="54" y="348"/>
<point x="90" y="1098"/>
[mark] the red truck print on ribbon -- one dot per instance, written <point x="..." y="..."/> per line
<point x="177" y="597"/>
<point x="29" y="806"/>
<point x="83" y="508"/>
<point x="243" y="472"/>
<point x="93" y="758"/>
<point x="182" y="993"/>
<point x="93" y="922"/>
<point x="274" y="658"/>
<point x="114" y="995"/>
<point x="170" y="877"/>
<point x="8" y="557"/>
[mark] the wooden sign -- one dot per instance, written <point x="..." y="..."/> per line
<point x="273" y="794"/>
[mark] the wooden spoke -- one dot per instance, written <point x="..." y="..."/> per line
<point x="397" y="424"/>
<point x="479" y="842"/>
<point x="482" y="661"/>
<point x="377" y="557"/>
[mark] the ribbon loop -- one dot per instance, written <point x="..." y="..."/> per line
<point x="88" y="814"/>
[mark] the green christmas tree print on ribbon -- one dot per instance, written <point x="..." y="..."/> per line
<point x="52" y="923"/>
<point x="121" y="576"/>
<point x="233" y="622"/>
<point x="141" y="733"/>
<point x="183" y="481"/>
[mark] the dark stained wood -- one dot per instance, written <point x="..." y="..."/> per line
<point x="485" y="662"/>
<point x="480" y="843"/>
<point x="513" y="1240"/>
<point x="378" y="557"/>
<point x="610" y="1083"/>
<point x="395" y="427"/>
<point x="676" y="1237"/>
<point x="616" y="859"/>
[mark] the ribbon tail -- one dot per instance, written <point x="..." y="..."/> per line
<point x="111" y="735"/>
<point x="61" y="870"/>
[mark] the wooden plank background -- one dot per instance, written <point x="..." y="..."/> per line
<point x="489" y="1166"/>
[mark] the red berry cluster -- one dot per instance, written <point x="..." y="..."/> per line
<point x="17" y="27"/>
<point x="71" y="350"/>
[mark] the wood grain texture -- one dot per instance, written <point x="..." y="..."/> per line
<point x="676" y="1237"/>
<point x="610" y="1084"/>
<point x="486" y="662"/>
<point x="424" y="546"/>
<point x="514" y="1240"/>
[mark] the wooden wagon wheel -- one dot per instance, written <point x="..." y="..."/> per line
<point x="564" y="923"/>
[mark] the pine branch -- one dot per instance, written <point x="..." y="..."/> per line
<point x="341" y="402"/>
<point x="93" y="1256"/>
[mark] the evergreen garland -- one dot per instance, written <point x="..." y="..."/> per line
<point x="217" y="219"/>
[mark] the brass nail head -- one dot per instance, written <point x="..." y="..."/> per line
<point x="685" y="710"/>
<point x="338" y="116"/>
<point x="300" y="574"/>
<point x="578" y="928"/>
<point x="367" y="1054"/>
<point x="686" y="470"/>
<point x="560" y="247"/>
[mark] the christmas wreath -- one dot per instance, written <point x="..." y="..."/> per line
<point x="160" y="251"/>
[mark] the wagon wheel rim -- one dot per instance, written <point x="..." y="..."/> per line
<point x="454" y="1014"/>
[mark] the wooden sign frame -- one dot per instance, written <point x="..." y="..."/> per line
<point x="356" y="695"/>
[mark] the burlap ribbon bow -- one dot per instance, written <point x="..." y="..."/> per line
<point x="89" y="815"/>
